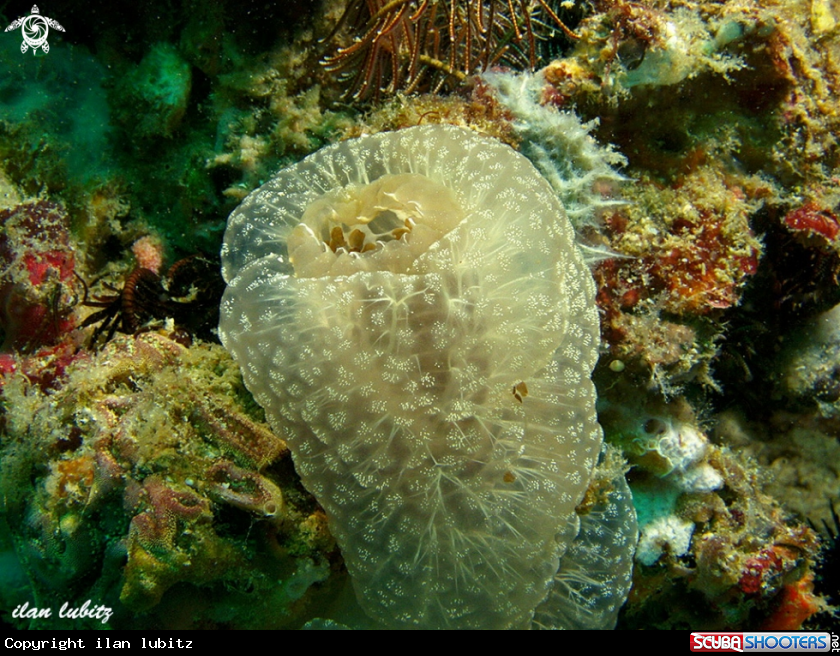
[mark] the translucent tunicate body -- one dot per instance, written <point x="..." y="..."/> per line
<point x="412" y="312"/>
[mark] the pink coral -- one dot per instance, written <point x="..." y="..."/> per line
<point x="148" y="251"/>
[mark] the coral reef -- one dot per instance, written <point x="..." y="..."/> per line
<point x="708" y="532"/>
<point x="149" y="483"/>
<point x="746" y="564"/>
<point x="702" y="181"/>
<point x="692" y="251"/>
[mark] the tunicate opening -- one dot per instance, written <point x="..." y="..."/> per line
<point x="387" y="225"/>
<point x="362" y="238"/>
<point x="384" y="225"/>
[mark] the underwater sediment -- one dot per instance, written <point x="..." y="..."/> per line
<point x="691" y="147"/>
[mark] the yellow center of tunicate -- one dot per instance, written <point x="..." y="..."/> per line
<point x="382" y="226"/>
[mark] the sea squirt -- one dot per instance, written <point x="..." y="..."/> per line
<point x="412" y="312"/>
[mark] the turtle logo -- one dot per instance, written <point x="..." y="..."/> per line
<point x="35" y="29"/>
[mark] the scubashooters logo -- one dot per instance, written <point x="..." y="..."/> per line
<point x="717" y="642"/>
<point x="34" y="29"/>
<point x="790" y="641"/>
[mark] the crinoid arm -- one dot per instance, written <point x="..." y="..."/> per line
<point x="384" y="46"/>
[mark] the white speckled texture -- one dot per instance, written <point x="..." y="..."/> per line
<point x="596" y="572"/>
<point x="391" y="372"/>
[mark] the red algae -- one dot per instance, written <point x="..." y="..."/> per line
<point x="37" y="283"/>
<point x="814" y="219"/>
<point x="797" y="603"/>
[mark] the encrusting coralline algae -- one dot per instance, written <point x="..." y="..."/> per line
<point x="413" y="314"/>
